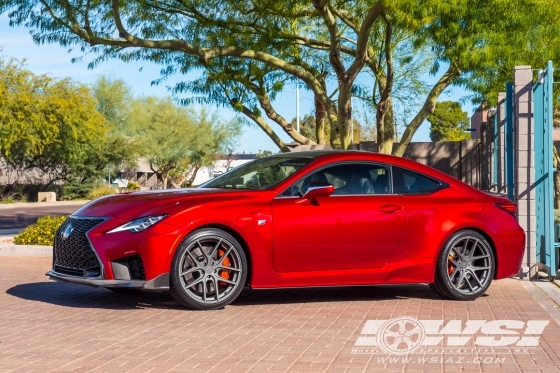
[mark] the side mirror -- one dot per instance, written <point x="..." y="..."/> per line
<point x="316" y="191"/>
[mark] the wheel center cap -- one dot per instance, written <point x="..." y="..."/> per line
<point x="209" y="269"/>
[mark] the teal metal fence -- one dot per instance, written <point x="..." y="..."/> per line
<point x="543" y="116"/>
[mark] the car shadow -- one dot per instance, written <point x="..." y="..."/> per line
<point x="335" y="294"/>
<point x="79" y="296"/>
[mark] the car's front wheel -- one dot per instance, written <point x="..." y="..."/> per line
<point x="209" y="270"/>
<point x="465" y="266"/>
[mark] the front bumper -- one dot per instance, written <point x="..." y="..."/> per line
<point x="160" y="283"/>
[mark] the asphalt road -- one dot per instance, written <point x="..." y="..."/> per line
<point x="20" y="215"/>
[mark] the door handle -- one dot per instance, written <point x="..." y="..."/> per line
<point x="389" y="209"/>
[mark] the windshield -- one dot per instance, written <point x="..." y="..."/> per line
<point x="261" y="173"/>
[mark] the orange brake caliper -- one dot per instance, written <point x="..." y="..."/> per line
<point x="450" y="268"/>
<point x="225" y="263"/>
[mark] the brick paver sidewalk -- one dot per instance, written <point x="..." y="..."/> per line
<point x="52" y="327"/>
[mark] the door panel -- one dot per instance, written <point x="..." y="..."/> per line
<point x="337" y="232"/>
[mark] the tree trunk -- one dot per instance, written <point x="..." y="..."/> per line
<point x="385" y="126"/>
<point x="320" y="115"/>
<point x="345" y="114"/>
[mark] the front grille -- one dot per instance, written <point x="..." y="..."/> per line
<point x="74" y="255"/>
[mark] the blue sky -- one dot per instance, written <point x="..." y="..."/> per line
<point x="56" y="61"/>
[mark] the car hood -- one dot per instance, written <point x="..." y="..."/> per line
<point x="134" y="205"/>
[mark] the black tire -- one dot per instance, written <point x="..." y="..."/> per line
<point x="437" y="290"/>
<point x="465" y="266"/>
<point x="208" y="271"/>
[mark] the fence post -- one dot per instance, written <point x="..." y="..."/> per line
<point x="501" y="114"/>
<point x="524" y="164"/>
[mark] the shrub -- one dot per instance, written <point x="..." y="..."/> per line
<point x="12" y="198"/>
<point x="40" y="233"/>
<point x="100" y="191"/>
<point x="557" y="216"/>
<point x="74" y="191"/>
<point x="133" y="186"/>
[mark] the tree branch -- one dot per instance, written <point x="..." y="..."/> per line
<point x="429" y="106"/>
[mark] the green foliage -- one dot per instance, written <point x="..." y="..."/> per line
<point x="557" y="216"/>
<point x="247" y="52"/>
<point x="53" y="126"/>
<point x="41" y="233"/>
<point x="178" y="141"/>
<point x="101" y="190"/>
<point x="449" y="122"/>
<point x="72" y="191"/>
<point x="133" y="186"/>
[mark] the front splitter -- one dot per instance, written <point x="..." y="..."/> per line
<point x="160" y="283"/>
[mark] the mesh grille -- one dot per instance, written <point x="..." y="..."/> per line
<point x="136" y="268"/>
<point x="74" y="255"/>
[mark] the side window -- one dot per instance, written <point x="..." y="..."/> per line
<point x="408" y="182"/>
<point x="347" y="179"/>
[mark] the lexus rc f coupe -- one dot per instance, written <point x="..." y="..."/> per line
<point x="317" y="218"/>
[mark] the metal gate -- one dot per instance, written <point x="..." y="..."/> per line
<point x="543" y="115"/>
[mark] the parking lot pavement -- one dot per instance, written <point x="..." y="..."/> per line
<point x="20" y="215"/>
<point x="55" y="327"/>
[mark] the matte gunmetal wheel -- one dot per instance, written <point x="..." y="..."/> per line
<point x="208" y="270"/>
<point x="465" y="266"/>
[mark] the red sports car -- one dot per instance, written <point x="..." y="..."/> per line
<point x="318" y="218"/>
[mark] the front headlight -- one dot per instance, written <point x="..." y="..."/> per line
<point x="138" y="225"/>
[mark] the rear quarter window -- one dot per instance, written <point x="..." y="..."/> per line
<point x="410" y="182"/>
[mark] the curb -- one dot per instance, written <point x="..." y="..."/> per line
<point x="26" y="250"/>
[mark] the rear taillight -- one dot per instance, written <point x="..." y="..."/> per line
<point x="510" y="208"/>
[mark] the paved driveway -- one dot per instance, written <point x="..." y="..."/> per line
<point x="52" y="327"/>
<point x="20" y="215"/>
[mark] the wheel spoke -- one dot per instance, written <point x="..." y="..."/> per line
<point x="228" y="268"/>
<point x="475" y="268"/>
<point x="191" y="271"/>
<point x="195" y="260"/>
<point x="216" y="289"/>
<point x="215" y="249"/>
<point x="475" y="277"/>
<point x="460" y="281"/>
<point x="204" y="290"/>
<point x="453" y="274"/>
<point x="465" y="248"/>
<point x="221" y="259"/>
<point x="468" y="281"/>
<point x="197" y="281"/>
<point x="227" y="281"/>
<point x="208" y="260"/>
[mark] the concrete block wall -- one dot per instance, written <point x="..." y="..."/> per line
<point x="524" y="163"/>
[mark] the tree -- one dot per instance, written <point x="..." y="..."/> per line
<point x="449" y="122"/>
<point x="178" y="141"/>
<point x="51" y="126"/>
<point x="247" y="50"/>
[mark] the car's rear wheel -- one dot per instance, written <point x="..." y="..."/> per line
<point x="465" y="266"/>
<point x="209" y="270"/>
